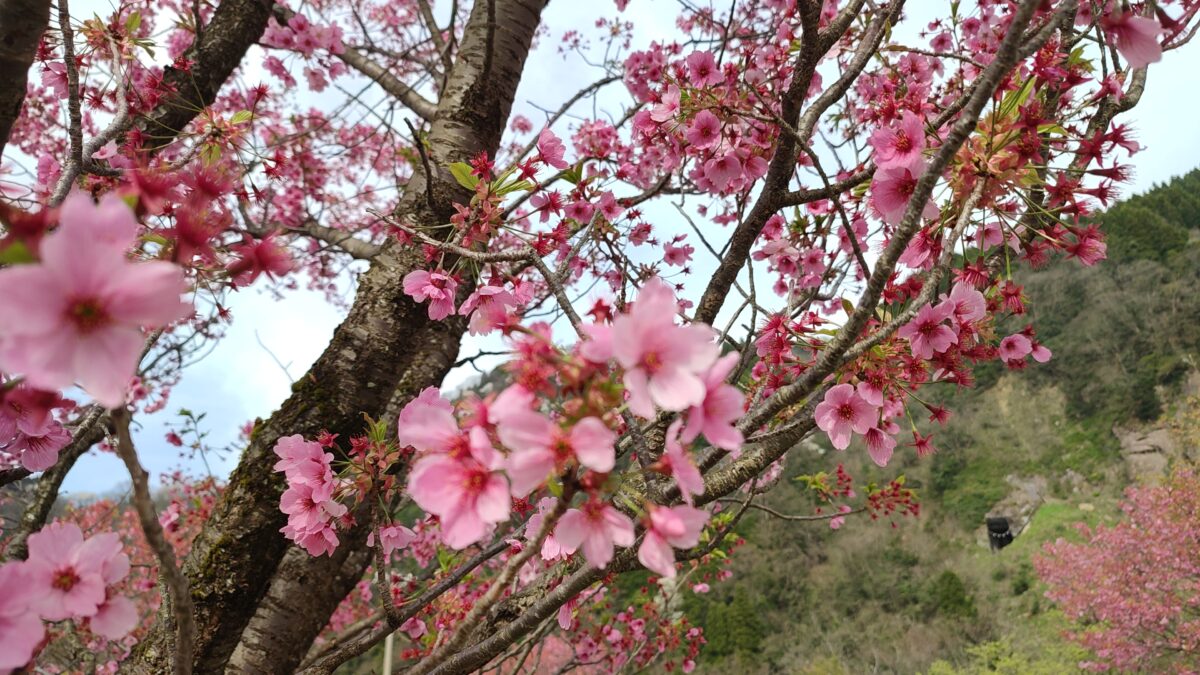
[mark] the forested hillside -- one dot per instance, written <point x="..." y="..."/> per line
<point x="1042" y="446"/>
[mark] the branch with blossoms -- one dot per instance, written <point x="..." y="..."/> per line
<point x="888" y="253"/>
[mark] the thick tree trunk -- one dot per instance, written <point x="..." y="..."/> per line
<point x="381" y="348"/>
<point x="22" y="23"/>
<point x="234" y="27"/>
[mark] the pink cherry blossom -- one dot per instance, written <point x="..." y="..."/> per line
<point x="1040" y="353"/>
<point x="676" y="526"/>
<point x="488" y="307"/>
<point x="721" y="407"/>
<point x="899" y="145"/>
<point x="540" y="447"/>
<point x="663" y="362"/>
<point x="704" y="130"/>
<point x="597" y="527"/>
<point x="703" y="70"/>
<point x="843" y="411"/>
<point x="927" y="334"/>
<point x="392" y="538"/>
<point x="306" y="463"/>
<point x="78" y="315"/>
<point x="676" y="462"/>
<point x="723" y="171"/>
<point x="879" y="445"/>
<point x="21" y="630"/>
<point x="551" y="149"/>
<point x="55" y="77"/>
<point x="1015" y="347"/>
<point x="256" y="257"/>
<point x="891" y="189"/>
<point x="427" y="423"/>
<point x="66" y="571"/>
<point x="1136" y="37"/>
<point x="40" y="452"/>
<point x="115" y="618"/>
<point x="436" y="287"/>
<point x="969" y="304"/>
<point x="463" y="489"/>
<point x="551" y="548"/>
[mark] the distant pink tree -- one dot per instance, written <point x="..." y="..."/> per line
<point x="1133" y="589"/>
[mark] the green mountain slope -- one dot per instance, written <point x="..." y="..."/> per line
<point x="928" y="595"/>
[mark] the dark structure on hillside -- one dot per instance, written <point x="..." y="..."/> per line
<point x="999" y="534"/>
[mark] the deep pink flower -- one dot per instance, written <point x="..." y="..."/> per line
<point x="703" y="70"/>
<point x="668" y="108"/>
<point x="597" y="527"/>
<point x="677" y="256"/>
<point x="29" y="411"/>
<point x="664" y="363"/>
<point x="551" y="149"/>
<point x="267" y="256"/>
<point x="900" y="144"/>
<point x="436" y="287"/>
<point x="704" y="130"/>
<point x="1136" y="37"/>
<point x="723" y="171"/>
<point x="927" y="334"/>
<point x="39" y="453"/>
<point x="879" y="445"/>
<point x="722" y="406"/>
<point x="540" y="447"/>
<point x="1015" y="347"/>
<point x="79" y="314"/>
<point x="969" y="304"/>
<point x="676" y="526"/>
<point x="843" y="411"/>
<point x="67" y="572"/>
<point x="55" y="77"/>
<point x="891" y="189"/>
<point x="463" y="489"/>
<point x="488" y="308"/>
<point x="21" y="630"/>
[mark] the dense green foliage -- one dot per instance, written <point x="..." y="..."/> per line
<point x="928" y="596"/>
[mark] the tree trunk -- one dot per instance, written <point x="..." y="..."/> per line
<point x="382" y="347"/>
<point x="22" y="23"/>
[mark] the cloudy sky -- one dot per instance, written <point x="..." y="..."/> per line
<point x="239" y="380"/>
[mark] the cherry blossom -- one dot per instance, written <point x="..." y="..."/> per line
<point x="675" y="526"/>
<point x="842" y="412"/>
<point x="596" y="527"/>
<point x="78" y="314"/>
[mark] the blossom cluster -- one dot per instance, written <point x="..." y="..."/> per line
<point x="78" y="313"/>
<point x="309" y="499"/>
<point x="31" y="436"/>
<point x="66" y="577"/>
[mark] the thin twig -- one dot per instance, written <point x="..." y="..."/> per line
<point x="177" y="583"/>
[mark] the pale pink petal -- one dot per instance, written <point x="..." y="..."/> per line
<point x="656" y="555"/>
<point x="115" y="618"/>
<point x="593" y="444"/>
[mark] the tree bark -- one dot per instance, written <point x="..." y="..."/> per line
<point x="22" y="23"/>
<point x="382" y="347"/>
<point x="234" y="27"/>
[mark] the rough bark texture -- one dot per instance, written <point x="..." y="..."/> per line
<point x="385" y="345"/>
<point x="235" y="26"/>
<point x="22" y="23"/>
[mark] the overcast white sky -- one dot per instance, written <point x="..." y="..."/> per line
<point x="239" y="380"/>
